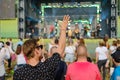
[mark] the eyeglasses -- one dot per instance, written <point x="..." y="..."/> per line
<point x="40" y="46"/>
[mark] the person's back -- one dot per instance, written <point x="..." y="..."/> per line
<point x="70" y="52"/>
<point x="82" y="71"/>
<point x="70" y="49"/>
<point x="20" y="59"/>
<point x="116" y="61"/>
<point x="36" y="70"/>
<point x="116" y="73"/>
<point x="41" y="71"/>
<point x="102" y="58"/>
<point x="102" y="52"/>
<point x="61" y="71"/>
<point x="112" y="49"/>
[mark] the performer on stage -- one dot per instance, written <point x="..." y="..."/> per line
<point x="51" y="31"/>
<point x="98" y="29"/>
<point x="86" y="29"/>
<point x="69" y="32"/>
<point x="77" y="31"/>
<point x="89" y="31"/>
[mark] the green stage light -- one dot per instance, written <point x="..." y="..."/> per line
<point x="68" y="5"/>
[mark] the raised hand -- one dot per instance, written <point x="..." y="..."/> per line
<point x="62" y="41"/>
<point x="63" y="24"/>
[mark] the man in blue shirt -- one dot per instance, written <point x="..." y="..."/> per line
<point x="20" y="41"/>
<point x="116" y="60"/>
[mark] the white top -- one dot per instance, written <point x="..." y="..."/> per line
<point x="70" y="50"/>
<point x="102" y="51"/>
<point x="21" y="59"/>
<point x="113" y="49"/>
<point x="10" y="50"/>
<point x="1" y="44"/>
<point x="4" y="54"/>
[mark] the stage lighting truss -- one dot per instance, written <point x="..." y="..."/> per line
<point x="113" y="18"/>
<point x="72" y="5"/>
<point x="21" y="8"/>
<point x="20" y="19"/>
<point x="113" y="29"/>
<point x="21" y="30"/>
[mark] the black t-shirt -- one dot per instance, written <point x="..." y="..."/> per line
<point x="42" y="71"/>
<point x="116" y="55"/>
<point x="61" y="71"/>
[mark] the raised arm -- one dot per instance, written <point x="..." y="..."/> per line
<point x="53" y="62"/>
<point x="62" y="40"/>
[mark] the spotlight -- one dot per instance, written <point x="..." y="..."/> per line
<point x="39" y="21"/>
<point x="113" y="6"/>
<point x="78" y="4"/>
<point x="40" y="12"/>
<point x="100" y="20"/>
<point x="21" y="29"/>
<point x="100" y="11"/>
<point x="20" y="8"/>
<point x="113" y="29"/>
<point x="113" y="17"/>
<point x="20" y="19"/>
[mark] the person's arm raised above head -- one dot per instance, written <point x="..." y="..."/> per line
<point x="52" y="63"/>
<point x="62" y="41"/>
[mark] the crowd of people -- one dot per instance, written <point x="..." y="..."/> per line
<point x="64" y="60"/>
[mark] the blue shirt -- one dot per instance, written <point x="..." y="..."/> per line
<point x="20" y="43"/>
<point x="116" y="74"/>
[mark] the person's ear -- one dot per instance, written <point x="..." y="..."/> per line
<point x="36" y="51"/>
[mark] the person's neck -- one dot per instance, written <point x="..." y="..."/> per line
<point x="33" y="61"/>
<point x="82" y="59"/>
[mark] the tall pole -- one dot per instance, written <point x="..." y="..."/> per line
<point x="21" y="20"/>
<point x="113" y="19"/>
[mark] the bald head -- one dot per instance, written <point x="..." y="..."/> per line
<point x="81" y="51"/>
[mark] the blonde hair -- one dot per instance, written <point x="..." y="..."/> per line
<point x="69" y="42"/>
<point x="101" y="43"/>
